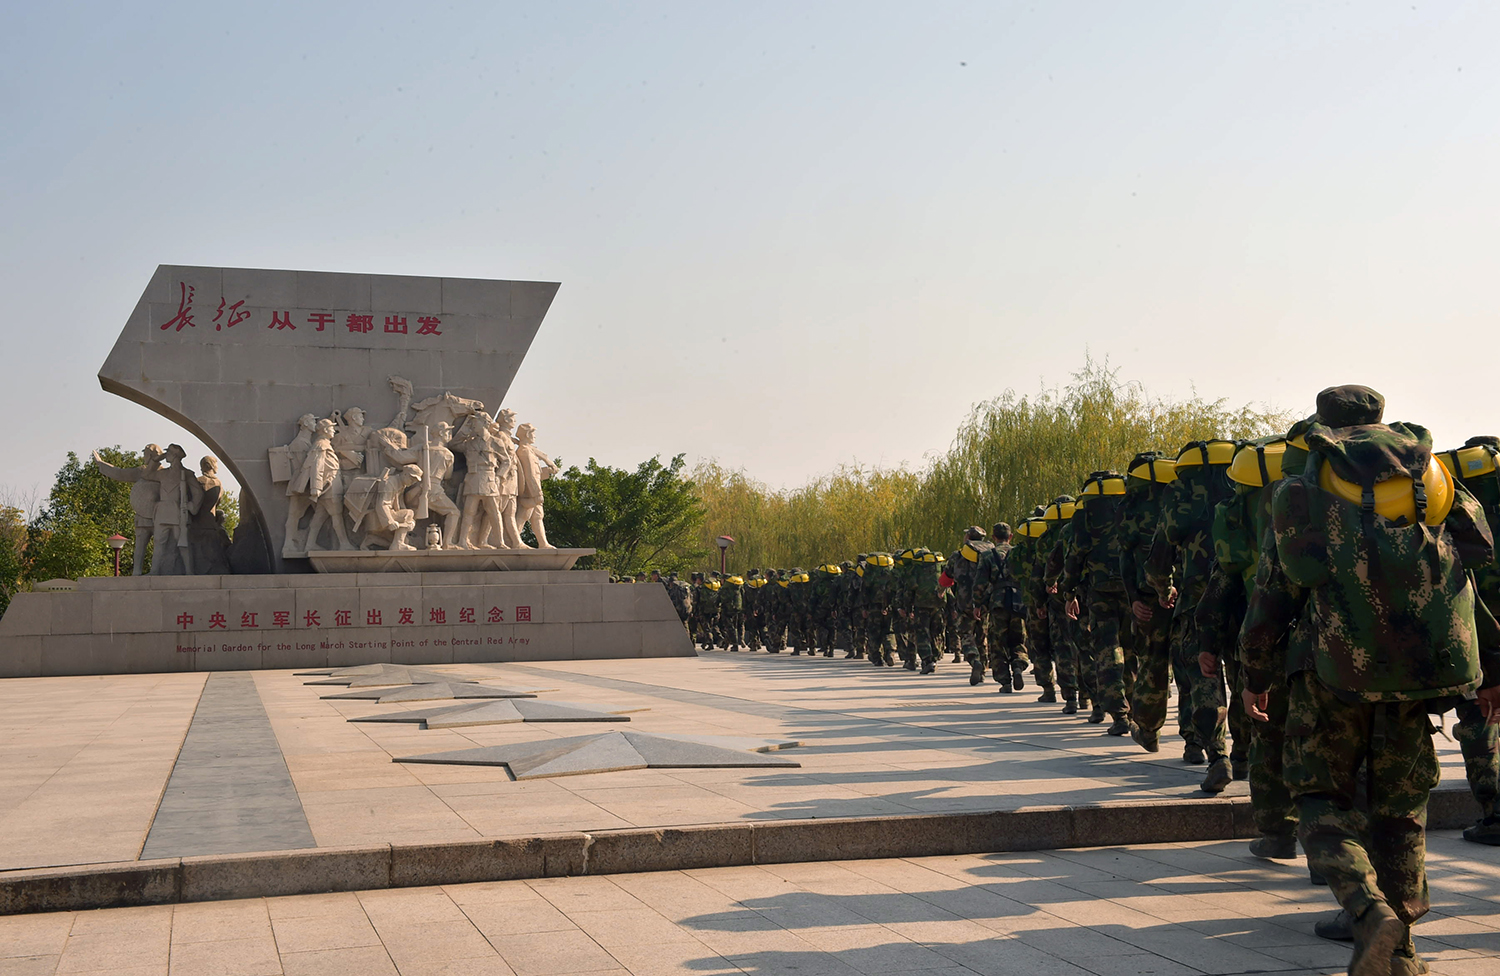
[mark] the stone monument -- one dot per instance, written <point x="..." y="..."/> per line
<point x="358" y="542"/>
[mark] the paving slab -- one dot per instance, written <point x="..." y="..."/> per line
<point x="432" y="691"/>
<point x="1200" y="909"/>
<point x="503" y="712"/>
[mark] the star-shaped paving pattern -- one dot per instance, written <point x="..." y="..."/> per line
<point x="432" y="691"/>
<point x="375" y="675"/>
<point x="503" y="712"/>
<point x="612" y="751"/>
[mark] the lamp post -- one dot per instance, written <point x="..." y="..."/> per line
<point x="723" y="542"/>
<point x="117" y="542"/>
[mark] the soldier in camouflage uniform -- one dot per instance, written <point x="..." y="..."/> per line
<point x="999" y="591"/>
<point x="681" y="596"/>
<point x="924" y="601"/>
<point x="1178" y="568"/>
<point x="773" y="600"/>
<point x="799" y="615"/>
<point x="901" y="614"/>
<point x="755" y="628"/>
<point x="1091" y="578"/>
<point x="1146" y="486"/>
<point x="1372" y="653"/>
<point x="1028" y="549"/>
<point x="959" y="576"/>
<point x="732" y="611"/>
<point x="1477" y="465"/>
<point x="877" y="585"/>
<point x="1064" y="631"/>
<point x="844" y="634"/>
<point x="825" y="586"/>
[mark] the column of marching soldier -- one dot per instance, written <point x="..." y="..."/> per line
<point x="1303" y="659"/>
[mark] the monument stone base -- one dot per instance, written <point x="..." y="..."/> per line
<point x="151" y="624"/>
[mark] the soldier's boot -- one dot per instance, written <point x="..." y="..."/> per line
<point x="849" y="654"/>
<point x="1239" y="768"/>
<point x="1486" y="831"/>
<point x="1070" y="705"/>
<point x="1377" y="935"/>
<point x="1275" y="847"/>
<point x="1318" y="881"/>
<point x="929" y="666"/>
<point x="1096" y="717"/>
<point x="1120" y="726"/>
<point x="796" y="652"/>
<point x="828" y="652"/>
<point x="1192" y="754"/>
<point x="1339" y="928"/>
<point x="1018" y="675"/>
<point x="1218" y="776"/>
<point x="909" y="663"/>
<point x="976" y="670"/>
<point x="1048" y="695"/>
<point x="1405" y="961"/>
<point x="1145" y="738"/>
<point x="734" y="648"/>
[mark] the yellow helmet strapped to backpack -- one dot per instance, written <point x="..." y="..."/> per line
<point x="1470" y="462"/>
<point x="880" y="559"/>
<point x="737" y="580"/>
<point x="832" y="569"/>
<point x="1214" y="452"/>
<point x="1060" y="511"/>
<point x="1162" y="471"/>
<point x="712" y="584"/>
<point x="1395" y="498"/>
<point x="1258" y="465"/>
<point x="1032" y="528"/>
<point x="1103" y="483"/>
<point x="927" y="556"/>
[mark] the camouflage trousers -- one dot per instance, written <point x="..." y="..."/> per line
<point x="1005" y="633"/>
<point x="732" y="627"/>
<point x="1062" y="632"/>
<point x="971" y="637"/>
<point x="1327" y="742"/>
<point x="799" y="631"/>
<point x="1478" y="740"/>
<point x="858" y="632"/>
<point x="1112" y="650"/>
<point x="1153" y="674"/>
<point x="901" y="627"/>
<point x="952" y="643"/>
<point x="1270" y="800"/>
<point x="880" y="642"/>
<point x="1215" y="709"/>
<point x="1039" y="643"/>
<point x="926" y="628"/>
<point x="705" y="630"/>
<point x="755" y="630"/>
<point x="775" y="625"/>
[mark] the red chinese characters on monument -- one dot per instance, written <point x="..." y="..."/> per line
<point x="230" y="314"/>
<point x="184" y="316"/>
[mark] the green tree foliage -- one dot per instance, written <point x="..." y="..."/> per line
<point x="649" y="518"/>
<point x="1013" y="452"/>
<point x="12" y="551"/>
<point x="67" y="538"/>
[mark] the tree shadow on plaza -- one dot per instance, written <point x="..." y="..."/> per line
<point x="1070" y="914"/>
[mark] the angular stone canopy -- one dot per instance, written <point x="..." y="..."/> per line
<point x="236" y="355"/>
<point x="433" y="691"/>
<point x="504" y="712"/>
<point x="614" y="751"/>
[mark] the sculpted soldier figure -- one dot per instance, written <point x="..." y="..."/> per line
<point x="178" y="497"/>
<point x="510" y="479"/>
<point x="206" y="536"/>
<point x="320" y="479"/>
<point x="487" y="453"/>
<point x="534" y="467"/>
<point x="389" y="515"/>
<point x="439" y="464"/>
<point x="144" y="491"/>
<point x="298" y="502"/>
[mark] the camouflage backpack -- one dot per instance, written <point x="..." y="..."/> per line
<point x="1369" y="529"/>
<point x="878" y="580"/>
<point x="926" y="567"/>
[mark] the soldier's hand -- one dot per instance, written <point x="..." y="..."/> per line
<point x="1051" y="587"/>
<point x="1169" y="598"/>
<point x="1489" y="704"/>
<point x="1256" y="705"/>
<point x="1041" y="613"/>
<point x="1208" y="664"/>
<point x="977" y="613"/>
<point x="1072" y="608"/>
<point x="1142" y="611"/>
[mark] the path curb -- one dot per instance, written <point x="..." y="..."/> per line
<point x="218" y="877"/>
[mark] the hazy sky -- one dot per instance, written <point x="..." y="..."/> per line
<point x="788" y="235"/>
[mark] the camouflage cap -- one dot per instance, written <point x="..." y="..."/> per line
<point x="974" y="533"/>
<point x="1350" y="406"/>
<point x="1483" y="440"/>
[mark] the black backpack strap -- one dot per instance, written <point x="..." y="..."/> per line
<point x="1265" y="472"/>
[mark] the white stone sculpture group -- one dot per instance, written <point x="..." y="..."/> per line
<point x="370" y="487"/>
<point x="175" y="509"/>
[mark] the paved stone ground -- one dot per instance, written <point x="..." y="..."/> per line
<point x="1163" y="910"/>
<point x="84" y="760"/>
